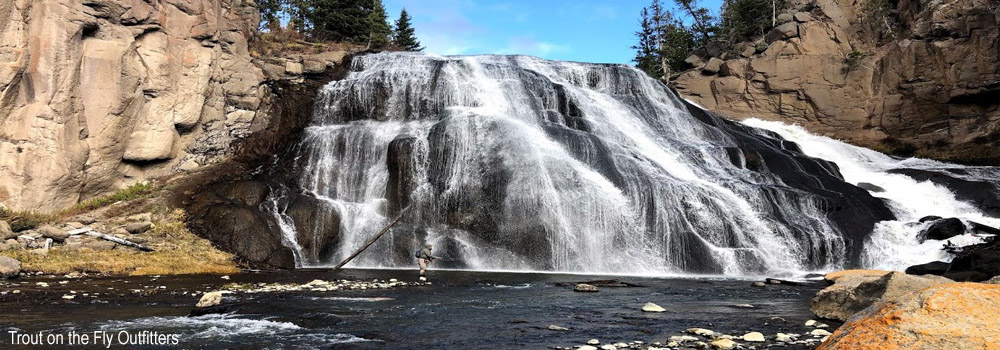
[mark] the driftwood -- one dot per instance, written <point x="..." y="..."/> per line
<point x="91" y="232"/>
<point x="368" y="244"/>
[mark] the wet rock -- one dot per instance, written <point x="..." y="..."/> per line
<point x="942" y="229"/>
<point x="317" y="224"/>
<point x="583" y="287"/>
<point x="209" y="299"/>
<point x="783" y="338"/>
<point x="758" y="284"/>
<point x="819" y="333"/>
<point x="553" y="327"/>
<point x="138" y="227"/>
<point x="55" y="234"/>
<point x="945" y="316"/>
<point x="994" y="280"/>
<point x="810" y="323"/>
<point x="650" y="307"/>
<point x="723" y="344"/>
<point x="608" y="347"/>
<point x="932" y="268"/>
<point x="754" y="337"/>
<point x="871" y="187"/>
<point x="701" y="331"/>
<point x="9" y="267"/>
<point x="929" y="218"/>
<point x="983" y="258"/>
<point x="593" y="342"/>
<point x="586" y="347"/>
<point x="852" y="293"/>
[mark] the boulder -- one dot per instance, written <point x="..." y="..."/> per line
<point x="209" y="299"/>
<point x="753" y="337"/>
<point x="994" y="280"/>
<point x="871" y="187"/>
<point x="931" y="268"/>
<point x="5" y="231"/>
<point x="56" y="234"/>
<point x="10" y="244"/>
<point x="785" y="18"/>
<point x="587" y="288"/>
<point x="294" y="68"/>
<point x="713" y="66"/>
<point x="650" y="307"/>
<point x="723" y="344"/>
<point x="929" y="218"/>
<point x="138" y="227"/>
<point x="852" y="293"/>
<point x="983" y="258"/>
<point x="311" y="66"/>
<point x="942" y="229"/>
<point x="803" y="17"/>
<point x="945" y="316"/>
<point x="785" y="31"/>
<point x="9" y="267"/>
<point x="215" y="303"/>
<point x="694" y="60"/>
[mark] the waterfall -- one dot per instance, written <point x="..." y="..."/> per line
<point x="893" y="244"/>
<point x="520" y="163"/>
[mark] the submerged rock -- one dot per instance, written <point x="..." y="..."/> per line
<point x="941" y="317"/>
<point x="586" y="288"/>
<point x="942" y="229"/>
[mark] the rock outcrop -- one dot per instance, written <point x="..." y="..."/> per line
<point x="944" y="316"/>
<point x="855" y="290"/>
<point x="98" y="94"/>
<point x="931" y="88"/>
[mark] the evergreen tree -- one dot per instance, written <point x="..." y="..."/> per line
<point x="378" y="26"/>
<point x="342" y="20"/>
<point x="703" y="24"/>
<point x="404" y="36"/>
<point x="646" y="50"/>
<point x="269" y="12"/>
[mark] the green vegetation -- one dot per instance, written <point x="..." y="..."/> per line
<point x="877" y="17"/>
<point x="25" y="220"/>
<point x="668" y="35"/>
<point x="854" y="58"/>
<point x="126" y="194"/>
<point x="362" y="22"/>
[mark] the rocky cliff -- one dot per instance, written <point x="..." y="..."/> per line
<point x="929" y="88"/>
<point x="98" y="94"/>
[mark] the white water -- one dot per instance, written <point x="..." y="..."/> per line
<point x="893" y="244"/>
<point x="525" y="164"/>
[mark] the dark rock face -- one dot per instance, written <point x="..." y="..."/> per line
<point x="932" y="268"/>
<point x="231" y="219"/>
<point x="317" y="223"/>
<point x="225" y="201"/>
<point x="984" y="195"/>
<point x="942" y="229"/>
<point x="870" y="187"/>
<point x="400" y="160"/>
<point x="983" y="258"/>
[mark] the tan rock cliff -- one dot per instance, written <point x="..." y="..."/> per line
<point x="933" y="90"/>
<point x="98" y="94"/>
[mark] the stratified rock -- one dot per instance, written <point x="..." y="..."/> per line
<point x="9" y="267"/>
<point x="941" y="317"/>
<point x="920" y="104"/>
<point x="583" y="287"/>
<point x="56" y="234"/>
<point x="852" y="293"/>
<point x="650" y="307"/>
<point x="942" y="229"/>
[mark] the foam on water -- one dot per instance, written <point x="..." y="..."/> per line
<point x="893" y="244"/>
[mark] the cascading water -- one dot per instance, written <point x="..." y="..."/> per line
<point x="893" y="244"/>
<point x="519" y="163"/>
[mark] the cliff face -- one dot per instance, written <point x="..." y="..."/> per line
<point x="98" y="94"/>
<point x="933" y="90"/>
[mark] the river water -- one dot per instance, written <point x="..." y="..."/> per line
<point x="460" y="310"/>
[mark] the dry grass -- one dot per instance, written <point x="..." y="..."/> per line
<point x="134" y="191"/>
<point x="177" y="251"/>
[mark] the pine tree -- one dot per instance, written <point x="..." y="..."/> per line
<point x="404" y="36"/>
<point x="645" y="51"/>
<point x="269" y="12"/>
<point x="378" y="26"/>
<point x="341" y="20"/>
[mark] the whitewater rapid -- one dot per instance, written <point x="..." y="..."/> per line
<point x="893" y="244"/>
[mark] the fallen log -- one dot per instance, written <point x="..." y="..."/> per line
<point x="119" y="241"/>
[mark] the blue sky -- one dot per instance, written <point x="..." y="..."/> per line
<point x="573" y="30"/>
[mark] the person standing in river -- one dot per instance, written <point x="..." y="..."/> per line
<point x="424" y="258"/>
